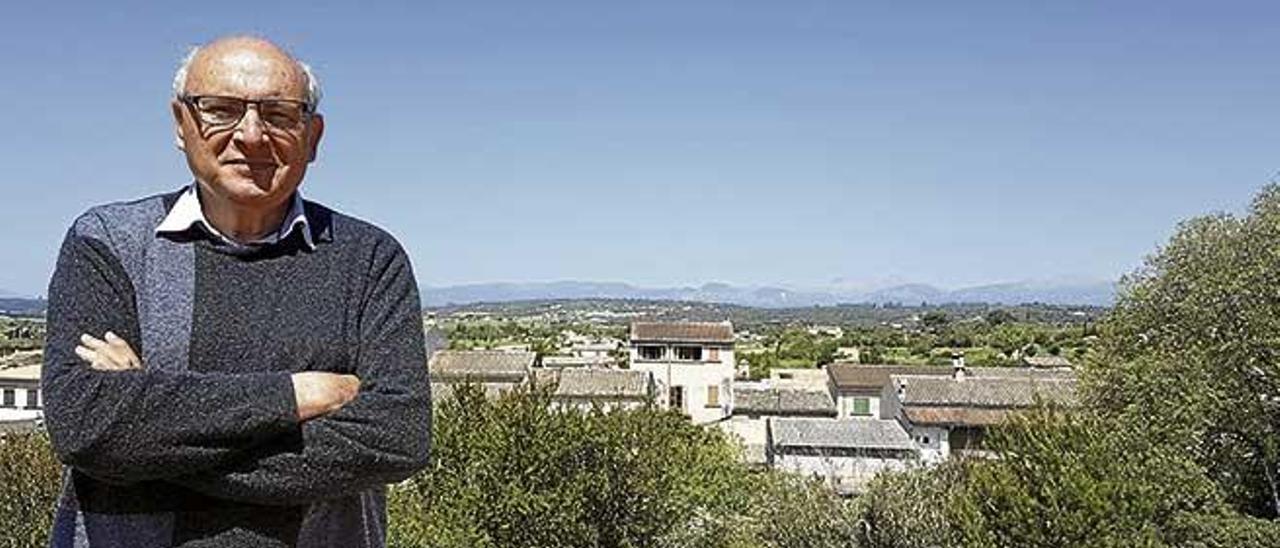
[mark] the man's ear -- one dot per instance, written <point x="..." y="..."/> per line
<point x="179" y="111"/>
<point x="315" y="130"/>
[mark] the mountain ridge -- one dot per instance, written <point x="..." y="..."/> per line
<point x="1091" y="293"/>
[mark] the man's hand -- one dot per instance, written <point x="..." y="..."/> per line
<point x="319" y="393"/>
<point x="112" y="354"/>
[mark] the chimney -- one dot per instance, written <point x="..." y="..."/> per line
<point x="958" y="370"/>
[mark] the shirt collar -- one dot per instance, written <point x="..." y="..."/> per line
<point x="186" y="213"/>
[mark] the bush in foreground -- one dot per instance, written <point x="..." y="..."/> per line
<point x="30" y="479"/>
<point x="514" y="471"/>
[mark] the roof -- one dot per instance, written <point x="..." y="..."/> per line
<point x="852" y="376"/>
<point x="761" y="399"/>
<point x="1046" y="361"/>
<point x="603" y="383"/>
<point x="487" y="365"/>
<point x="576" y="361"/>
<point x="21" y="358"/>
<point x="686" y="332"/>
<point x="961" y="416"/>
<point x="840" y="433"/>
<point x="23" y="373"/>
<point x="999" y="392"/>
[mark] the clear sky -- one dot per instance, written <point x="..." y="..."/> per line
<point x="671" y="142"/>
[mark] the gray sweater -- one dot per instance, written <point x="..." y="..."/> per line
<point x="202" y="447"/>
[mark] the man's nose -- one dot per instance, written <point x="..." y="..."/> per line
<point x="251" y="130"/>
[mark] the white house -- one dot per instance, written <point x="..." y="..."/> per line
<point x="692" y="364"/>
<point x="844" y="453"/>
<point x="21" y="403"/>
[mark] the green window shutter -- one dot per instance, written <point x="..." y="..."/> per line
<point x="862" y="406"/>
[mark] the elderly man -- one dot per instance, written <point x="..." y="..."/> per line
<point x="279" y="381"/>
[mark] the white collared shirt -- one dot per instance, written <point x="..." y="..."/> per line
<point x="186" y="212"/>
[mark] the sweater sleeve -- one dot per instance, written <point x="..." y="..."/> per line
<point x="130" y="426"/>
<point x="382" y="436"/>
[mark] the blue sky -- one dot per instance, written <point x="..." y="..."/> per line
<point x="680" y="142"/>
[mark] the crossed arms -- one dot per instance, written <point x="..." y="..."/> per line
<point x="266" y="438"/>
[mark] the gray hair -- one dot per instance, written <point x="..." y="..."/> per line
<point x="180" y="78"/>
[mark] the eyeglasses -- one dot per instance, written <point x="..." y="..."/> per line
<point x="222" y="112"/>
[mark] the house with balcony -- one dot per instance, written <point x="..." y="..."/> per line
<point x="691" y="363"/>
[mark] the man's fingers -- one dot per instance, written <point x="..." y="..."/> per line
<point x="112" y="354"/>
<point x="96" y="360"/>
<point x="122" y="352"/>
<point x="86" y="354"/>
<point x="93" y="343"/>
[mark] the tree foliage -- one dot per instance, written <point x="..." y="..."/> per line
<point x="1194" y="341"/>
<point x="29" y="484"/>
<point x="516" y="471"/>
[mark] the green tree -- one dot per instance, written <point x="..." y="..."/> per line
<point x="999" y="316"/>
<point x="934" y="319"/>
<point x="1072" y="478"/>
<point x="1195" y="340"/>
<point x="515" y="471"/>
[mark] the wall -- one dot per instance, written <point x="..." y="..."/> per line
<point x="847" y="475"/>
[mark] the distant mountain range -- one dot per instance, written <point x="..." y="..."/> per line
<point x="1096" y="293"/>
<point x="21" y="306"/>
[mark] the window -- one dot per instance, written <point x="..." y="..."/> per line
<point x="651" y="352"/>
<point x="10" y="397"/>
<point x="675" y="397"/>
<point x="861" y="407"/>
<point x="713" y="396"/>
<point x="33" y="399"/>
<point x="689" y="353"/>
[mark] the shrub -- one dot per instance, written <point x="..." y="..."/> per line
<point x="30" y="480"/>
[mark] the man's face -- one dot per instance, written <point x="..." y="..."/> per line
<point x="255" y="161"/>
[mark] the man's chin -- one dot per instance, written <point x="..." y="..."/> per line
<point x="250" y="190"/>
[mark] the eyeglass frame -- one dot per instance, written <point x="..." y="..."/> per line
<point x="308" y="110"/>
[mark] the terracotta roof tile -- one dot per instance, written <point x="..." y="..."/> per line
<point x="690" y="332"/>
